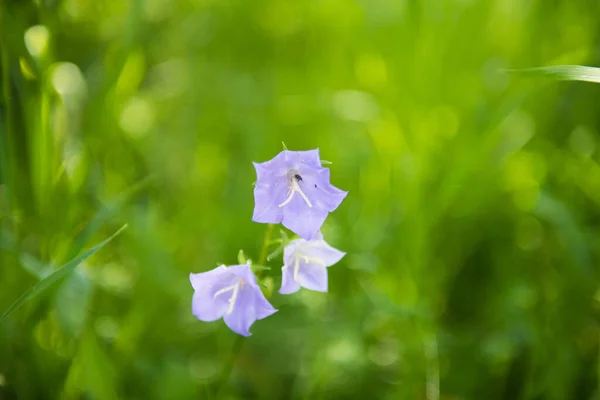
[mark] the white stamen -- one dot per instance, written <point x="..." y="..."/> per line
<point x="236" y="289"/>
<point x="290" y="197"/>
<point x="224" y="290"/>
<point x="313" y="260"/>
<point x="302" y="194"/>
<point x="293" y="189"/>
<point x="296" y="268"/>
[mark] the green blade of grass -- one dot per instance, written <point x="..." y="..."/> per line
<point x="563" y="72"/>
<point x="104" y="214"/>
<point x="61" y="272"/>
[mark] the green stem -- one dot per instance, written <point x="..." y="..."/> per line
<point x="263" y="253"/>
<point x="44" y="167"/>
<point x="432" y="383"/>
<point x="225" y="373"/>
<point x="7" y="144"/>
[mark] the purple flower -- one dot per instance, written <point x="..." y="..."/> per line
<point x="230" y="293"/>
<point x="293" y="188"/>
<point x="305" y="264"/>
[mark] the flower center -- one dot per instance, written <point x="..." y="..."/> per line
<point x="235" y="289"/>
<point x="295" y="178"/>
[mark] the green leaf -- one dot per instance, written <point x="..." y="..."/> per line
<point x="563" y="72"/>
<point x="284" y="235"/>
<point x="61" y="272"/>
<point x="258" y="267"/>
<point x="276" y="252"/>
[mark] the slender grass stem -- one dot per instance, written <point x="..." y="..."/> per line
<point x="432" y="380"/>
<point x="7" y="144"/>
<point x="44" y="167"/>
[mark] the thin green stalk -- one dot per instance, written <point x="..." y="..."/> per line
<point x="263" y="253"/>
<point x="44" y="167"/>
<point x="7" y="144"/>
<point x="432" y="380"/>
<point x="225" y="373"/>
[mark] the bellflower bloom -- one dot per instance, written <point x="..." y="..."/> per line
<point x="293" y="188"/>
<point x="305" y="264"/>
<point x="230" y="293"/>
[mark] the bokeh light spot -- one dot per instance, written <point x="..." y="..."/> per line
<point x="582" y="141"/>
<point x="137" y="117"/>
<point x="343" y="351"/>
<point x="355" y="105"/>
<point x="68" y="80"/>
<point x="36" y="40"/>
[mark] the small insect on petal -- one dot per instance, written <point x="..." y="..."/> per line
<point x="293" y="188"/>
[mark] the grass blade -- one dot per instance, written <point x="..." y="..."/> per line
<point x="563" y="72"/>
<point x="104" y="214"/>
<point x="61" y="272"/>
<point x="107" y="211"/>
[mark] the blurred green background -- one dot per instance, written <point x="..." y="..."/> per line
<point x="472" y="224"/>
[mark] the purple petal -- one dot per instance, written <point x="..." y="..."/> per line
<point x="290" y="249"/>
<point x="244" y="272"/>
<point x="262" y="305"/>
<point x="317" y="187"/>
<point x="313" y="277"/>
<point x="265" y="170"/>
<point x="288" y="284"/>
<point x="243" y="314"/>
<point x="269" y="169"/>
<point x="302" y="220"/>
<point x="267" y="197"/>
<point x="307" y="157"/>
<point x="207" y="278"/>
<point x="319" y="249"/>
<point x="207" y="308"/>
<point x="204" y="304"/>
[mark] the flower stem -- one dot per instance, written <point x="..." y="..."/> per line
<point x="263" y="253"/>
<point x="225" y="373"/>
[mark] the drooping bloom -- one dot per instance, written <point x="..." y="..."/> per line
<point x="293" y="188"/>
<point x="230" y="293"/>
<point x="305" y="264"/>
